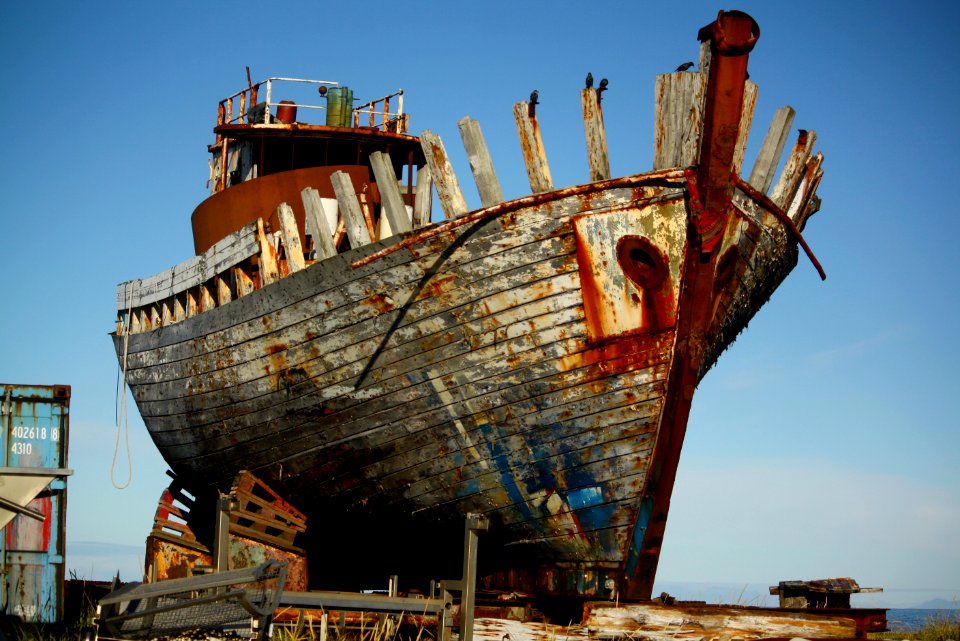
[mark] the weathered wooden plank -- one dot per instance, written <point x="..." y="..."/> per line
<point x="391" y="201"/>
<point x="353" y="218"/>
<point x="241" y="277"/>
<point x="444" y="179"/>
<point x="746" y="119"/>
<point x="221" y="256"/>
<point x="598" y="161"/>
<point x="488" y="185"/>
<point x="806" y="187"/>
<point x="678" y="118"/>
<point x="317" y="223"/>
<point x="765" y="166"/>
<point x="710" y="622"/>
<point x="787" y="183"/>
<point x="291" y="238"/>
<point x="269" y="271"/>
<point x="531" y="144"/>
<point x="224" y="295"/>
<point x="423" y="198"/>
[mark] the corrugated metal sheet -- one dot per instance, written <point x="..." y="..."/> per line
<point x="33" y="489"/>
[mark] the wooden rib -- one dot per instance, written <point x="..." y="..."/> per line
<point x="488" y="185"/>
<point x="531" y="144"/>
<point x="423" y="199"/>
<point x="678" y="105"/>
<point x="245" y="284"/>
<point x="448" y="188"/>
<point x="356" y="226"/>
<point x="392" y="207"/>
<point x="224" y="295"/>
<point x="764" y="168"/>
<point x="797" y="211"/>
<point x="317" y="225"/>
<point x="291" y="238"/>
<point x="269" y="272"/>
<point x="597" y="159"/>
<point x="746" y="119"/>
<point x="787" y="184"/>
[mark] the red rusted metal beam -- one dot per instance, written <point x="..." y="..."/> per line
<point x="731" y="39"/>
<point x="710" y="191"/>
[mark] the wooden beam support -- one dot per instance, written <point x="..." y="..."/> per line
<point x="597" y="158"/>
<point x="317" y="223"/>
<point x="531" y="144"/>
<point x="488" y="185"/>
<point x="750" y="90"/>
<point x="764" y="168"/>
<point x="787" y="183"/>
<point x="291" y="238"/>
<point x="269" y="272"/>
<point x="423" y="202"/>
<point x="678" y="114"/>
<point x="392" y="206"/>
<point x="448" y="188"/>
<point x="353" y="218"/>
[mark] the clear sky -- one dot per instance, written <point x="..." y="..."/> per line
<point x="825" y="442"/>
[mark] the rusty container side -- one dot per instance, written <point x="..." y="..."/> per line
<point x="34" y="427"/>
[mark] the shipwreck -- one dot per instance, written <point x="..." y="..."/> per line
<point x="532" y="361"/>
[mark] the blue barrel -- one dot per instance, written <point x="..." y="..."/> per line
<point x="34" y="422"/>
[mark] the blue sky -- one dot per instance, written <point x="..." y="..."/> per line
<point x="825" y="442"/>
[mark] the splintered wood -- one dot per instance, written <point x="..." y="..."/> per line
<point x="662" y="622"/>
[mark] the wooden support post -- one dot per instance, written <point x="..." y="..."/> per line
<point x="391" y="201"/>
<point x="448" y="188"/>
<point x="678" y="112"/>
<point x="317" y="224"/>
<point x="746" y="119"/>
<point x="223" y="289"/>
<point x="242" y="278"/>
<point x="356" y="226"/>
<point x="269" y="272"/>
<point x="291" y="238"/>
<point x="423" y="202"/>
<point x="807" y="185"/>
<point x="488" y="185"/>
<point x="787" y="184"/>
<point x="761" y="177"/>
<point x="534" y="155"/>
<point x="597" y="159"/>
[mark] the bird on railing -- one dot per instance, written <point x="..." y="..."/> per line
<point x="589" y="80"/>
<point x="534" y="101"/>
<point x="685" y="66"/>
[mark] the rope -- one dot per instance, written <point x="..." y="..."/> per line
<point x="123" y="423"/>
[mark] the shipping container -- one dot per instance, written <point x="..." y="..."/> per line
<point x="33" y="499"/>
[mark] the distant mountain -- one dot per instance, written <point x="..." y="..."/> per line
<point x="939" y="604"/>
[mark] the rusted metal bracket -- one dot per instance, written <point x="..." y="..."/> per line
<point x="467" y="585"/>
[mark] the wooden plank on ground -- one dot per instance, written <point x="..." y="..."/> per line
<point x="710" y="622"/>
<point x="291" y="238"/>
<point x="317" y="225"/>
<point x="765" y="166"/>
<point x="391" y="201"/>
<point x="678" y="106"/>
<point x="444" y="179"/>
<point x="531" y="144"/>
<point x="488" y="185"/>
<point x="353" y="218"/>
<point x="597" y="159"/>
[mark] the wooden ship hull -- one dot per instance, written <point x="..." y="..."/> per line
<point x="532" y="361"/>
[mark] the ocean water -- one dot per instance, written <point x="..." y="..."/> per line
<point x="914" y="618"/>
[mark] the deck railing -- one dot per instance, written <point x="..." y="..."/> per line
<point x="254" y="105"/>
